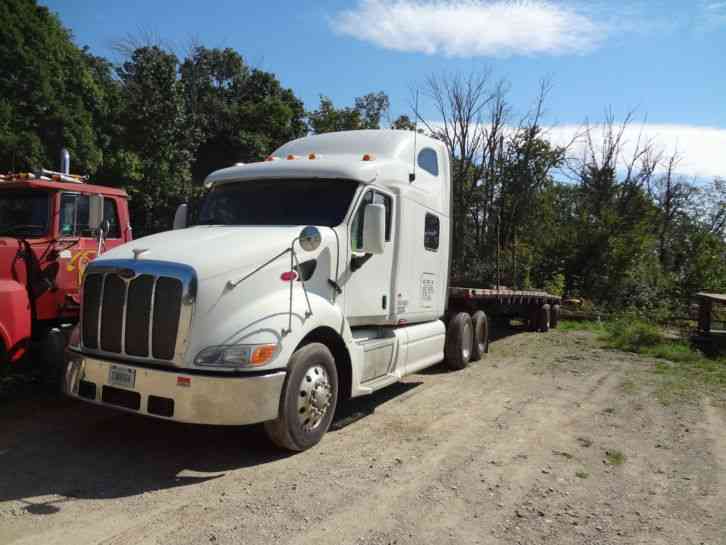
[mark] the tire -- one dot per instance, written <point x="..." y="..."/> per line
<point x="308" y="399"/>
<point x="554" y="316"/>
<point x="480" y="343"/>
<point x="51" y="354"/>
<point x="459" y="339"/>
<point x="533" y="318"/>
<point x="543" y="318"/>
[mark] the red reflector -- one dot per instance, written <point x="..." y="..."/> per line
<point x="183" y="381"/>
<point x="287" y="276"/>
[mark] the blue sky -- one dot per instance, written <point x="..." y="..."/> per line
<point x="666" y="59"/>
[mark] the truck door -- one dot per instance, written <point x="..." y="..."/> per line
<point x="73" y="227"/>
<point x="368" y="289"/>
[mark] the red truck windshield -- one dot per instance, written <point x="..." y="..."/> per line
<point x="278" y="202"/>
<point x="24" y="213"/>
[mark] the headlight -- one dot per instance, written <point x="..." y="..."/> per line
<point x="74" y="339"/>
<point x="238" y="355"/>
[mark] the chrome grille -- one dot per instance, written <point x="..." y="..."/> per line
<point x="140" y="310"/>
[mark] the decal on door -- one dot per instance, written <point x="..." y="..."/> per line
<point x="428" y="290"/>
<point x="401" y="304"/>
<point x="80" y="261"/>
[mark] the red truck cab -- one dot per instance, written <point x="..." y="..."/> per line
<point x="45" y="244"/>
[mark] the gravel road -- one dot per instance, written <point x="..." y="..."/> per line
<point x="548" y="440"/>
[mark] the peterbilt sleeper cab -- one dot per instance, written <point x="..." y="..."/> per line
<point x="316" y="275"/>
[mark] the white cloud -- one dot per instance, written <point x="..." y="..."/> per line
<point x="702" y="149"/>
<point x="471" y="28"/>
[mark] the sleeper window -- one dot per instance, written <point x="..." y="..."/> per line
<point x="428" y="161"/>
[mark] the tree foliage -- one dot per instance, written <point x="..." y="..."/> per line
<point x="48" y="92"/>
<point x="367" y="113"/>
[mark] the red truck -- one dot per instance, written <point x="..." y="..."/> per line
<point x="47" y="238"/>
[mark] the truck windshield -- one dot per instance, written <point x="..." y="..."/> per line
<point x="24" y="213"/>
<point x="278" y="202"/>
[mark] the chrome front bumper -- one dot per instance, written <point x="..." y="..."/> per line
<point x="196" y="399"/>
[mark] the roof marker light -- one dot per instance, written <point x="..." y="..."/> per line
<point x="312" y="156"/>
<point x="368" y="157"/>
<point x="291" y="157"/>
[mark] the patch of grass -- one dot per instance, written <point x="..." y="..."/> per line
<point x="582" y="325"/>
<point x="682" y="369"/>
<point x="582" y="474"/>
<point x="614" y="457"/>
<point x="633" y="335"/>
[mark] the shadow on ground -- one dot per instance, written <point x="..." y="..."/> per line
<point x="62" y="448"/>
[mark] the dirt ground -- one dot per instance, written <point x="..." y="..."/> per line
<point x="549" y="439"/>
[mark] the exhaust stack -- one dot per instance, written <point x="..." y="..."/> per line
<point x="65" y="165"/>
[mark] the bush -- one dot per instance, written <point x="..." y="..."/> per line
<point x="633" y="335"/>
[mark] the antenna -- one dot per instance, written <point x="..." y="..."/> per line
<point x="412" y="176"/>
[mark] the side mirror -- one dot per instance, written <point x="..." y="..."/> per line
<point x="95" y="211"/>
<point x="374" y="229"/>
<point x="310" y="238"/>
<point x="180" y="216"/>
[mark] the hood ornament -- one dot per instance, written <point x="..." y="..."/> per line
<point x="139" y="252"/>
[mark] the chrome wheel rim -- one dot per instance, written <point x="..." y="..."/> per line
<point x="315" y="395"/>
<point x="466" y="341"/>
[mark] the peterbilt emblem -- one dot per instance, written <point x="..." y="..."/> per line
<point x="127" y="274"/>
<point x="138" y="252"/>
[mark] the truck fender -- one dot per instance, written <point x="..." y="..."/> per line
<point x="266" y="321"/>
<point x="15" y="321"/>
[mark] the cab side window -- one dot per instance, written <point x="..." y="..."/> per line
<point x="69" y="215"/>
<point x="74" y="216"/>
<point x="110" y="213"/>
<point x="371" y="197"/>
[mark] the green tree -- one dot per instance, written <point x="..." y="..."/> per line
<point x="239" y="113"/>
<point x="403" y="123"/>
<point x="159" y="140"/>
<point x="365" y="114"/>
<point x="48" y="92"/>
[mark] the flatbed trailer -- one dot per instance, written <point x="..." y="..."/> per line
<point x="539" y="309"/>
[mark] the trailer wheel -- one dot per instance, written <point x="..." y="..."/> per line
<point x="533" y="316"/>
<point x="480" y="344"/>
<point x="554" y="316"/>
<point x="543" y="319"/>
<point x="459" y="339"/>
<point x="308" y="399"/>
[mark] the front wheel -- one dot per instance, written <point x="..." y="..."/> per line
<point x="308" y="399"/>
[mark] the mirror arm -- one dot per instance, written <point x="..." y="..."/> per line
<point x="357" y="261"/>
<point x="101" y="240"/>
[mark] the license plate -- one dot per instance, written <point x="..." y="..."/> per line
<point x="122" y="376"/>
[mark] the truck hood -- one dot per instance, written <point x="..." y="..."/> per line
<point x="212" y="250"/>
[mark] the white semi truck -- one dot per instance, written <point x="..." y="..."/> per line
<point x="317" y="275"/>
